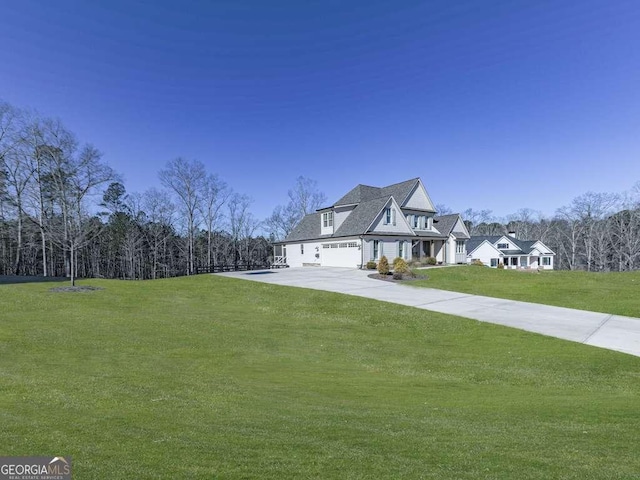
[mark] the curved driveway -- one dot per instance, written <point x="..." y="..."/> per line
<point x="598" y="329"/>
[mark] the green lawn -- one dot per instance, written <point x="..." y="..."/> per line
<point x="208" y="377"/>
<point x="613" y="292"/>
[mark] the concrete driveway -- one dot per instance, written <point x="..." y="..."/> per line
<point x="598" y="329"/>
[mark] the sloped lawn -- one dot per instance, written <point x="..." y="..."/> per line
<point x="209" y="377"/>
<point x="612" y="292"/>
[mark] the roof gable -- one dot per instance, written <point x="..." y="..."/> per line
<point x="401" y="225"/>
<point x="472" y="245"/>
<point x="417" y="198"/>
<point x="448" y="224"/>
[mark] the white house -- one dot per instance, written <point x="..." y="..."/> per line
<point x="510" y="251"/>
<point x="368" y="222"/>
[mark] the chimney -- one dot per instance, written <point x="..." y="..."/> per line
<point x="512" y="233"/>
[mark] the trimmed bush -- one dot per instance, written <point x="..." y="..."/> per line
<point x="400" y="266"/>
<point x="477" y="262"/>
<point x="501" y="266"/>
<point x="371" y="265"/>
<point x="383" y="266"/>
<point x="431" y="261"/>
<point x="397" y="275"/>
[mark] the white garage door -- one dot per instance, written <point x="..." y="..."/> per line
<point x="344" y="254"/>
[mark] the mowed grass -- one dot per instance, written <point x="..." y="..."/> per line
<point x="611" y="292"/>
<point x="208" y="377"/>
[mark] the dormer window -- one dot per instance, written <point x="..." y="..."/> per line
<point x="327" y="219"/>
<point x="503" y="246"/>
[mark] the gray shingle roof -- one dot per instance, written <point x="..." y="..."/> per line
<point x="361" y="217"/>
<point x="369" y="202"/>
<point x="362" y="193"/>
<point x="524" y="246"/>
<point x="308" y="228"/>
<point x="446" y="223"/>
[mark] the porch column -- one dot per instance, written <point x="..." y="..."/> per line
<point x="432" y="249"/>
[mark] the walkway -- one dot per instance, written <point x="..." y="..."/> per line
<point x="598" y="329"/>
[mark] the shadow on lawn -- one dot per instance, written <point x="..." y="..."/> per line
<point x="8" y="279"/>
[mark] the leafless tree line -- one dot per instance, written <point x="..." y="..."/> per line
<point x="64" y="212"/>
<point x="595" y="232"/>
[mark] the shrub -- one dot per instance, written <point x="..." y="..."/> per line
<point x="383" y="266"/>
<point x="501" y="266"/>
<point x="400" y="266"/>
<point x="477" y="262"/>
<point x="371" y="265"/>
<point x="397" y="275"/>
<point x="431" y="261"/>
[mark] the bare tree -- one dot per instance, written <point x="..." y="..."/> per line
<point x="159" y="215"/>
<point x="304" y="198"/>
<point x="186" y="180"/>
<point x="442" y="209"/>
<point x="240" y="220"/>
<point x="75" y="179"/>
<point x="474" y="218"/>
<point x="16" y="169"/>
<point x="215" y="194"/>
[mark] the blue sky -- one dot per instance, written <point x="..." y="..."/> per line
<point x="496" y="105"/>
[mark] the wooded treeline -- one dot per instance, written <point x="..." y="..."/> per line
<point x="597" y="232"/>
<point x="64" y="212"/>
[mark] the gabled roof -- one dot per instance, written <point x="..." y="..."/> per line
<point x="367" y="202"/>
<point x="307" y="229"/>
<point x="446" y="224"/>
<point x="524" y="246"/>
<point x="360" y="218"/>
<point x="362" y="193"/>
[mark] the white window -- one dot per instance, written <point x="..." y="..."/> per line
<point x="459" y="246"/>
<point x="494" y="262"/>
<point x="352" y="245"/>
<point x="327" y="219"/>
<point x="401" y="249"/>
<point x="416" y="221"/>
<point x="302" y="249"/>
<point x="503" y="246"/>
<point x="546" y="261"/>
<point x="325" y="245"/>
<point x="376" y="249"/>
<point x="524" y="261"/>
<point x="390" y="216"/>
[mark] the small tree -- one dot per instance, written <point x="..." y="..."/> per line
<point x="383" y="266"/>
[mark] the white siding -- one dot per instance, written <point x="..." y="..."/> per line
<point x="419" y="199"/>
<point x="379" y="225"/>
<point x="296" y="259"/>
<point x="485" y="252"/>
<point x="389" y="247"/>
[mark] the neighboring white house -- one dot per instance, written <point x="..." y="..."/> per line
<point x="368" y="222"/>
<point x="510" y="251"/>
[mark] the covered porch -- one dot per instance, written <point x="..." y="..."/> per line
<point x="279" y="256"/>
<point x="428" y="248"/>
